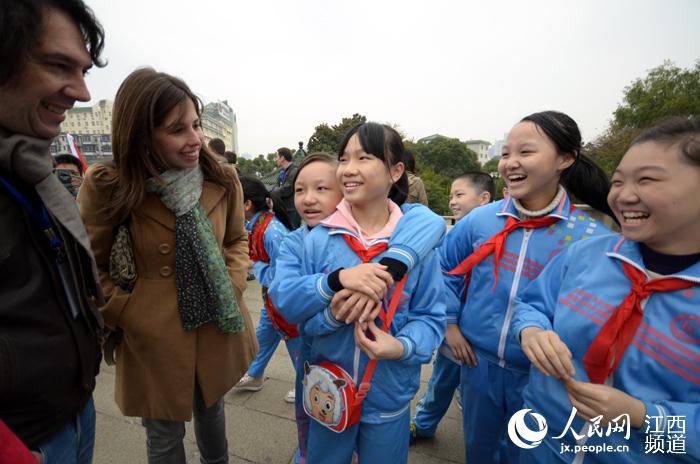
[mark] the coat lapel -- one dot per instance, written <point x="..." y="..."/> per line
<point x="154" y="209"/>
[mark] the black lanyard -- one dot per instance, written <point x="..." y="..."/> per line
<point x="40" y="216"/>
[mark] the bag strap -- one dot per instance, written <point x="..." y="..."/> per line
<point x="364" y="386"/>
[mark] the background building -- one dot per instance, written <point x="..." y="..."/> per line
<point x="481" y="148"/>
<point x="92" y="128"/>
<point x="497" y="147"/>
<point x="219" y="121"/>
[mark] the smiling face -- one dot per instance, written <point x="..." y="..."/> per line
<point x="179" y="139"/>
<point x="654" y="194"/>
<point x="365" y="179"/>
<point x="531" y="166"/>
<point x="464" y="198"/>
<point x="316" y="192"/>
<point x="34" y="103"/>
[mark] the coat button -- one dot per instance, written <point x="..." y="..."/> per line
<point x="164" y="248"/>
<point x="166" y="271"/>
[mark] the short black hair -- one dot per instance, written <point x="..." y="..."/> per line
<point x="481" y="181"/>
<point x="22" y="22"/>
<point x="218" y="146"/>
<point x="231" y="157"/>
<point x="69" y="159"/>
<point x="286" y="152"/>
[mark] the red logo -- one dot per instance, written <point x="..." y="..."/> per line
<point x="686" y="328"/>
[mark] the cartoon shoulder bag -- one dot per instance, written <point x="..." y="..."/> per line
<point x="331" y="398"/>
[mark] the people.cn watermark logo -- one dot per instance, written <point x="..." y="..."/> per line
<point x="519" y="432"/>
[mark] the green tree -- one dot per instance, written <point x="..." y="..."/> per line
<point x="666" y="91"/>
<point x="490" y="166"/>
<point x="446" y="157"/>
<point x="259" y="166"/>
<point x="327" y="138"/>
<point x="437" y="188"/>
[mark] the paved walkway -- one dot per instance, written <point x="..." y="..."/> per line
<point x="260" y="426"/>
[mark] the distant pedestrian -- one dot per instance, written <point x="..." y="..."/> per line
<point x="285" y="187"/>
<point x="416" y="188"/>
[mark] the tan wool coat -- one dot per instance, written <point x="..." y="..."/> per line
<point x="157" y="360"/>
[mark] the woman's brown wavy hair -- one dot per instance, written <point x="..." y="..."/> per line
<point x="143" y="101"/>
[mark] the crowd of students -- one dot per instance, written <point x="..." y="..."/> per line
<point x="528" y="303"/>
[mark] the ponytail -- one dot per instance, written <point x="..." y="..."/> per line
<point x="280" y="212"/>
<point x="586" y="181"/>
<point x="257" y="193"/>
<point x="583" y="179"/>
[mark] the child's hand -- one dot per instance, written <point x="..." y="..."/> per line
<point x="349" y="306"/>
<point x="370" y="278"/>
<point x="384" y="346"/>
<point x="547" y="352"/>
<point x="592" y="400"/>
<point x="461" y="349"/>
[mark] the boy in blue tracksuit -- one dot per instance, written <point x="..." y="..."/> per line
<point x="494" y="252"/>
<point x="468" y="191"/>
<point x="612" y="325"/>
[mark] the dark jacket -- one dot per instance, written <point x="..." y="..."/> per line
<point x="48" y="359"/>
<point x="286" y="193"/>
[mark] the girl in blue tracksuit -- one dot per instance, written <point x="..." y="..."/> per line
<point x="316" y="195"/>
<point x="612" y="326"/>
<point x="266" y="231"/>
<point x="507" y="244"/>
<point x="370" y="167"/>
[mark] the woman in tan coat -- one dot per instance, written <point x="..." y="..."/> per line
<point x="187" y="336"/>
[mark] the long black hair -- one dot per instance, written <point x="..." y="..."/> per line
<point x="385" y="143"/>
<point x="257" y="193"/>
<point x="583" y="179"/>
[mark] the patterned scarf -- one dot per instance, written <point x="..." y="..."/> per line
<point x="204" y="290"/>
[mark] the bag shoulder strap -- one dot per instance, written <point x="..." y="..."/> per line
<point x="365" y="384"/>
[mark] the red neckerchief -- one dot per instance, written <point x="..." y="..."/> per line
<point x="607" y="348"/>
<point x="256" y="245"/>
<point x="497" y="243"/>
<point x="365" y="254"/>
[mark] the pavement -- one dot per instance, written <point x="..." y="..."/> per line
<point x="260" y="426"/>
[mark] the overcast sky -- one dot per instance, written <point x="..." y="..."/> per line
<point x="465" y="69"/>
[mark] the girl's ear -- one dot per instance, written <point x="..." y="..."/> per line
<point x="248" y="205"/>
<point x="396" y="171"/>
<point x="565" y="161"/>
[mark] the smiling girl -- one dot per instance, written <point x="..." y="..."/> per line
<point x="370" y="169"/>
<point x="612" y="326"/>
<point x="497" y="249"/>
<point x="187" y="338"/>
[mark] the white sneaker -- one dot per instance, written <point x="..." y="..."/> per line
<point x="248" y="383"/>
<point x="290" y="396"/>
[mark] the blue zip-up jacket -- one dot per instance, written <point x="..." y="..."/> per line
<point x="272" y="240"/>
<point x="575" y="296"/>
<point x="300" y="297"/>
<point x="487" y="311"/>
<point x="419" y="323"/>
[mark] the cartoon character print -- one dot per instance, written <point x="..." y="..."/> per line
<point x="323" y="399"/>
